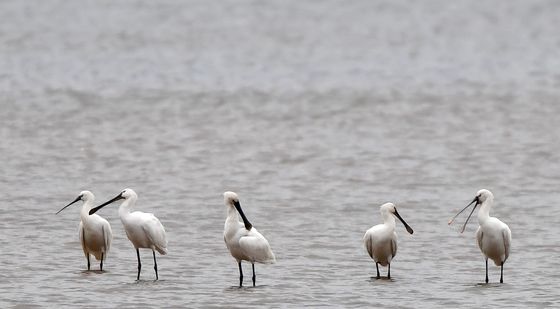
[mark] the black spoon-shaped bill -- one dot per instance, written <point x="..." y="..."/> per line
<point x="408" y="228"/>
<point x="460" y="212"/>
<point x="466" y="221"/>
<point x="74" y="201"/>
<point x="116" y="198"/>
<point x="248" y="224"/>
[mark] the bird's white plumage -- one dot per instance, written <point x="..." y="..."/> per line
<point x="95" y="237"/>
<point x="143" y="229"/>
<point x="381" y="244"/>
<point x="380" y="240"/>
<point x="243" y="244"/>
<point x="253" y="247"/>
<point x="493" y="236"/>
<point x="94" y="231"/>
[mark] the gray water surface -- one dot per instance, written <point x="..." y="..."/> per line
<point x="315" y="113"/>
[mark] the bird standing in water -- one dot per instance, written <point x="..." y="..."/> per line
<point x="143" y="229"/>
<point x="493" y="236"/>
<point x="244" y="242"/>
<point x="381" y="240"/>
<point x="95" y="232"/>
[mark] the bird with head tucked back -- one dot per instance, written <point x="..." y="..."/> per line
<point x="244" y="242"/>
<point x="94" y="231"/>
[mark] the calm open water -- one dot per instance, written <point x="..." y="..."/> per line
<point x="315" y="112"/>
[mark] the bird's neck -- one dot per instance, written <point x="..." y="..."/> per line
<point x="126" y="208"/>
<point x="232" y="214"/>
<point x="484" y="211"/>
<point x="84" y="213"/>
<point x="389" y="219"/>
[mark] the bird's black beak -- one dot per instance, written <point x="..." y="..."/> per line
<point x="408" y="228"/>
<point x="248" y="224"/>
<point x="475" y="201"/>
<point x="116" y="198"/>
<point x="74" y="201"/>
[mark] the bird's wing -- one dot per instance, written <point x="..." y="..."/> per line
<point x="82" y="238"/>
<point x="368" y="242"/>
<point x="479" y="236"/>
<point x="394" y="246"/>
<point x="506" y="234"/>
<point x="257" y="248"/>
<point x="156" y="233"/>
<point x="107" y="236"/>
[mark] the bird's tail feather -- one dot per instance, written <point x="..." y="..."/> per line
<point x="162" y="251"/>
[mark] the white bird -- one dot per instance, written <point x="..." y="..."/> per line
<point x="144" y="230"/>
<point x="95" y="232"/>
<point x="244" y="242"/>
<point x="381" y="240"/>
<point x="493" y="236"/>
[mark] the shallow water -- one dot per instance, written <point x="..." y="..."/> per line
<point x="315" y="113"/>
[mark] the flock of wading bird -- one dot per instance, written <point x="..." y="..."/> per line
<point x="245" y="243"/>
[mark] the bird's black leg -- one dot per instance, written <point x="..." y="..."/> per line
<point x="254" y="276"/>
<point x="139" y="263"/>
<point x="87" y="261"/>
<point x="389" y="271"/>
<point x="101" y="265"/>
<point x="502" y="273"/>
<point x="486" y="270"/>
<point x="155" y="263"/>
<point x="240" y="275"/>
<point x="377" y="267"/>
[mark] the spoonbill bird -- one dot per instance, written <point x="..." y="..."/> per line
<point x="493" y="236"/>
<point x="142" y="229"/>
<point x="95" y="232"/>
<point x="244" y="242"/>
<point x="381" y="240"/>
